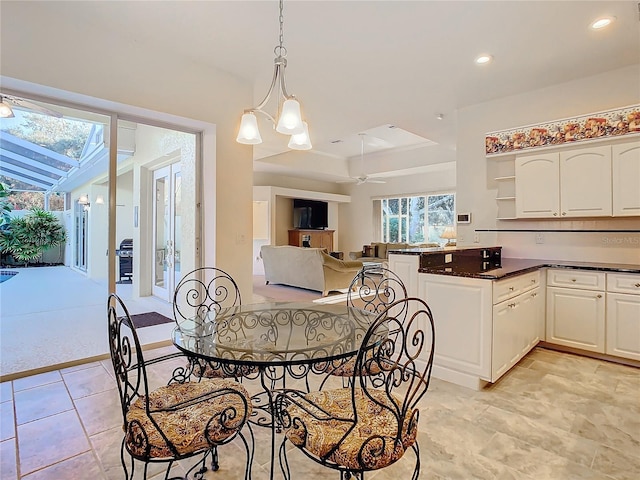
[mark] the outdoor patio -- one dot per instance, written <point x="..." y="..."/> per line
<point x="55" y="316"/>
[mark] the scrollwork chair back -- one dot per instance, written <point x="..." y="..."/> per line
<point x="372" y="289"/>
<point x="204" y="291"/>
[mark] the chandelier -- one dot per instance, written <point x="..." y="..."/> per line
<point x="288" y="119"/>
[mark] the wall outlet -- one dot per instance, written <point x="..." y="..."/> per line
<point x="539" y="237"/>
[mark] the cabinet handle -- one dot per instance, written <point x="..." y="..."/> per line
<point x="533" y="280"/>
<point x="511" y="289"/>
<point x="534" y="294"/>
<point x="573" y="279"/>
<point x="555" y="214"/>
<point x="512" y="305"/>
<point x="637" y="285"/>
<point x="564" y="213"/>
<point x="598" y="296"/>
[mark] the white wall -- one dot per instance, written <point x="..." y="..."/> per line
<point x="476" y="189"/>
<point x="81" y="59"/>
<point x="356" y="218"/>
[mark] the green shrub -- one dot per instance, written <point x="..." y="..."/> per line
<point x="5" y="205"/>
<point x="28" y="237"/>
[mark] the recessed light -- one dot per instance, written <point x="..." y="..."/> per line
<point x="440" y="116"/>
<point x="602" y="22"/>
<point x="484" y="59"/>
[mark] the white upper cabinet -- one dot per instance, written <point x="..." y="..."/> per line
<point x="585" y="182"/>
<point x="569" y="183"/>
<point x="626" y="178"/>
<point x="537" y="185"/>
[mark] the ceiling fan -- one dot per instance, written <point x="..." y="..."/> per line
<point x="7" y="101"/>
<point x="362" y="178"/>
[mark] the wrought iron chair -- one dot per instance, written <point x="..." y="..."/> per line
<point x="180" y="420"/>
<point x="372" y="289"/>
<point x="373" y="423"/>
<point x="199" y="296"/>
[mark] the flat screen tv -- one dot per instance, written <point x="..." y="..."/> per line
<point x="312" y="214"/>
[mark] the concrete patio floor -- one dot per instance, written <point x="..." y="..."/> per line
<point x="55" y="317"/>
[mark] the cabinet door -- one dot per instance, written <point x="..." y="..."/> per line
<point x="575" y="318"/>
<point x="537" y="185"/>
<point x="626" y="178"/>
<point x="623" y="325"/>
<point x="516" y="330"/>
<point x="531" y="317"/>
<point x="505" y="346"/>
<point x="585" y="182"/>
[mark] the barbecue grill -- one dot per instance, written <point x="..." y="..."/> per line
<point x="125" y="254"/>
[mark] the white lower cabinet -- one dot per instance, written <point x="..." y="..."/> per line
<point x="575" y="318"/>
<point x="594" y="311"/>
<point x="479" y="338"/>
<point x="515" y="331"/>
<point x="623" y="325"/>
<point x="462" y="314"/>
<point x="623" y="315"/>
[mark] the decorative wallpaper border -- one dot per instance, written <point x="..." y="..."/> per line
<point x="610" y="123"/>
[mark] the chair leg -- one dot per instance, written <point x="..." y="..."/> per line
<point x="215" y="463"/>
<point x="416" y="450"/>
<point x="202" y="463"/>
<point x="250" y="450"/>
<point x="284" y="463"/>
<point x="124" y="462"/>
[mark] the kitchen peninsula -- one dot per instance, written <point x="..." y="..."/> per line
<point x="490" y="311"/>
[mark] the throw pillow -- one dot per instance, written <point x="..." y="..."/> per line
<point x="368" y="251"/>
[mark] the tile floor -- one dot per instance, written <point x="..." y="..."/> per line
<point x="553" y="416"/>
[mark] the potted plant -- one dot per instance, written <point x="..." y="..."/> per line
<point x="28" y="237"/>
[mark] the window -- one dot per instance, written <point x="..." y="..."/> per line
<point x="419" y="219"/>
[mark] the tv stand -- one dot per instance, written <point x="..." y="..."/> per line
<point x="300" y="237"/>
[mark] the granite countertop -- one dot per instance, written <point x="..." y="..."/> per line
<point x="516" y="266"/>
<point x="418" y="251"/>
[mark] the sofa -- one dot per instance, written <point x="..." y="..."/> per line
<point x="379" y="251"/>
<point x="310" y="268"/>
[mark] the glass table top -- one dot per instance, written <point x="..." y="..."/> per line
<point x="278" y="333"/>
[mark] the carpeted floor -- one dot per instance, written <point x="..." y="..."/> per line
<point x="282" y="292"/>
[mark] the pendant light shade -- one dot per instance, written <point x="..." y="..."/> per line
<point x="301" y="141"/>
<point x="290" y="122"/>
<point x="249" y="133"/>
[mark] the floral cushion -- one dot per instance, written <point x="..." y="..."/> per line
<point x="371" y="367"/>
<point x="374" y="424"/>
<point x="185" y="426"/>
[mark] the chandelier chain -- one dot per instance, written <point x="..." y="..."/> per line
<point x="280" y="49"/>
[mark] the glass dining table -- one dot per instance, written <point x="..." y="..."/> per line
<point x="274" y="342"/>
